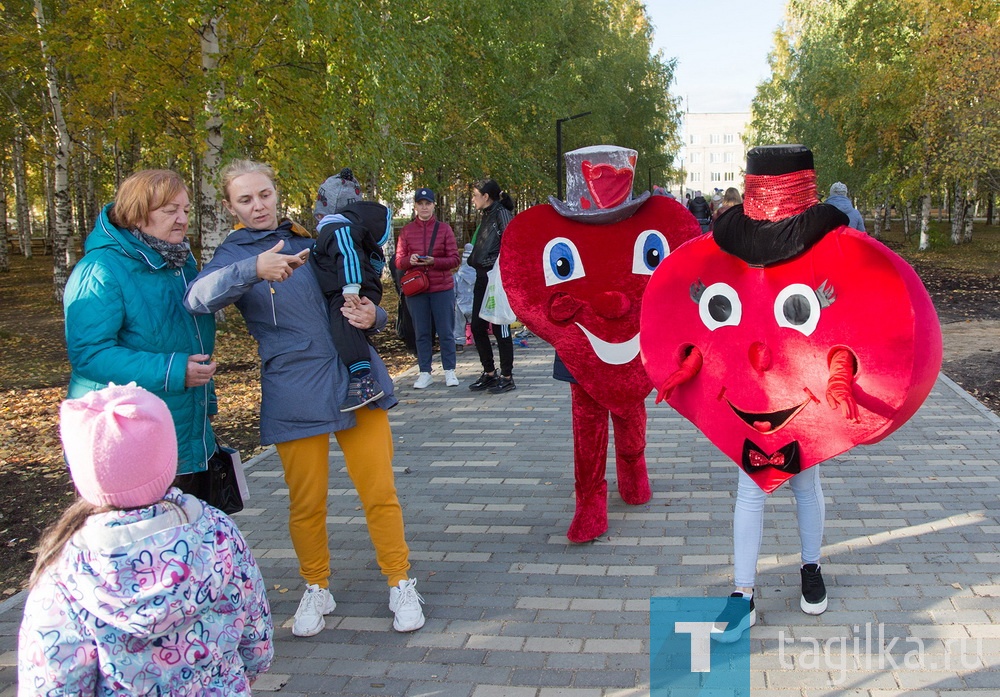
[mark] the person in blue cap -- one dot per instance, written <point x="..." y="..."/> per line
<point x="428" y="244"/>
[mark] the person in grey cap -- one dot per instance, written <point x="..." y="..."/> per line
<point x="838" y="198"/>
<point x="348" y="260"/>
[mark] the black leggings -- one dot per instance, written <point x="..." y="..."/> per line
<point x="480" y="332"/>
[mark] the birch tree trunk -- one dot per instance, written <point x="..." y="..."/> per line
<point x="971" y="208"/>
<point x="50" y="202"/>
<point x="81" y="216"/>
<point x="23" y="213"/>
<point x="877" y="221"/>
<point x="958" y="214"/>
<point x="925" y="222"/>
<point x="63" y="152"/>
<point x="4" y="240"/>
<point x="213" y="227"/>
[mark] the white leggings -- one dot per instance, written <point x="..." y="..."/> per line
<point x="748" y="522"/>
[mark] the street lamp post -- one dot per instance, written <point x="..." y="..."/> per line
<point x="559" y="152"/>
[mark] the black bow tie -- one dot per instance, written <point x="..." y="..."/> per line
<point x="785" y="459"/>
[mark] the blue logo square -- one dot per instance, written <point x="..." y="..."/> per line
<point x="689" y="655"/>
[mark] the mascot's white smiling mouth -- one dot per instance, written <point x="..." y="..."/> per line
<point x="612" y="354"/>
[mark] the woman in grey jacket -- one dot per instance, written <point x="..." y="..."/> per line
<point x="260" y="267"/>
<point x="497" y="208"/>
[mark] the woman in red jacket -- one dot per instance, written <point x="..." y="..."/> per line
<point x="428" y="243"/>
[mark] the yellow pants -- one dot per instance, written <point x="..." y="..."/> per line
<point x="368" y="452"/>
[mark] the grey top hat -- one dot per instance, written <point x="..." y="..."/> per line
<point x="599" y="185"/>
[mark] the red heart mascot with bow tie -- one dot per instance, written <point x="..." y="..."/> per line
<point x="575" y="273"/>
<point x="786" y="313"/>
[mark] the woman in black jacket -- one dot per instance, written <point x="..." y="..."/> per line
<point x="497" y="209"/>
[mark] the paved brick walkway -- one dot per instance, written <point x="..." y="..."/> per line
<point x="513" y="610"/>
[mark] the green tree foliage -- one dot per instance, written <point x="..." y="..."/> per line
<point x="407" y="92"/>
<point x="897" y="98"/>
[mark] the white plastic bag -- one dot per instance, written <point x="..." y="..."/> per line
<point x="496" y="309"/>
<point x="241" y="478"/>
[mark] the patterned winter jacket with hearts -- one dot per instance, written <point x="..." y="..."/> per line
<point x="162" y="600"/>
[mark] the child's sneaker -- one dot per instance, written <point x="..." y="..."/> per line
<point x="737" y="617"/>
<point x="404" y="601"/>
<point x="813" y="600"/>
<point x="360" y="392"/>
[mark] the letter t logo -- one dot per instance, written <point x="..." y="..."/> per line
<point x="701" y="644"/>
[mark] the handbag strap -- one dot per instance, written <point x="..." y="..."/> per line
<point x="430" y="247"/>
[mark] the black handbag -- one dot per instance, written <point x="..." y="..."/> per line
<point x="218" y="485"/>
<point x="223" y="486"/>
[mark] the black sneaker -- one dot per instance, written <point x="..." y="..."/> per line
<point x="739" y="615"/>
<point x="484" y="382"/>
<point x="813" y="590"/>
<point x="360" y="392"/>
<point x="504" y="384"/>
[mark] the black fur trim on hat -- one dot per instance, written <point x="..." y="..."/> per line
<point x="772" y="160"/>
<point x="762" y="242"/>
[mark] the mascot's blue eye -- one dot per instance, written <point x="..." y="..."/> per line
<point x="561" y="261"/>
<point x="651" y="248"/>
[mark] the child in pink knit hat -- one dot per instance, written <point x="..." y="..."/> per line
<point x="136" y="573"/>
<point x="121" y="446"/>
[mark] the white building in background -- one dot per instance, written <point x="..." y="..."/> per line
<point x="713" y="154"/>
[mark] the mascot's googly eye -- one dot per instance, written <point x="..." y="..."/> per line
<point x="719" y="306"/>
<point x="651" y="248"/>
<point x="561" y="261"/>
<point x="797" y="307"/>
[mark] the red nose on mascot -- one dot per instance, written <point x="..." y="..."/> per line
<point x="575" y="273"/>
<point x="787" y="337"/>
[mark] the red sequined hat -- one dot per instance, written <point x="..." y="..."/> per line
<point x="781" y="215"/>
<point x="780" y="182"/>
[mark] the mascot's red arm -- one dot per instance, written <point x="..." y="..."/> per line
<point x="689" y="368"/>
<point x="839" y="392"/>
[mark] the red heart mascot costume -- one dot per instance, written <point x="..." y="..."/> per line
<point x="788" y="338"/>
<point x="575" y="273"/>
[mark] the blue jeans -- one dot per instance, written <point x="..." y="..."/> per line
<point x="748" y="522"/>
<point x="434" y="312"/>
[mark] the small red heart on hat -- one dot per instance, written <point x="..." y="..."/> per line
<point x="607" y="184"/>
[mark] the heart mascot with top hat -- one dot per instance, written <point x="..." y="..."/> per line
<point x="575" y="273"/>
<point x="786" y="336"/>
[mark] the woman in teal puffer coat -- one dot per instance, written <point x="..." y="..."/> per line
<point x="125" y="321"/>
